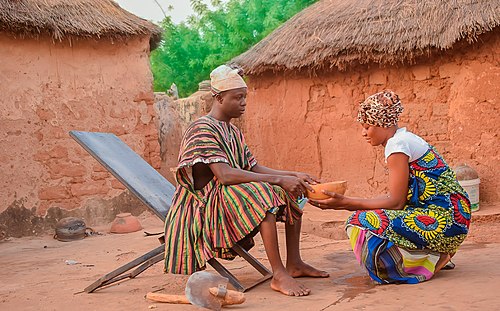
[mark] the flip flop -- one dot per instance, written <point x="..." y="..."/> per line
<point x="449" y="266"/>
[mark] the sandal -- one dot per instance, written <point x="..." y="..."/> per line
<point x="449" y="266"/>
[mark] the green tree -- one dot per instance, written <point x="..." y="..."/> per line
<point x="190" y="50"/>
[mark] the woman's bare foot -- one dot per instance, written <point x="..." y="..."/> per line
<point x="284" y="283"/>
<point x="443" y="260"/>
<point x="302" y="269"/>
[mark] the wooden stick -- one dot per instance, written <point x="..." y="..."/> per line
<point x="159" y="297"/>
<point x="232" y="297"/>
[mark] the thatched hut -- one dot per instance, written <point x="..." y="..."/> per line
<point x="307" y="77"/>
<point x="69" y="65"/>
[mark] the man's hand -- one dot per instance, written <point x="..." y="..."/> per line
<point x="294" y="185"/>
<point x="307" y="178"/>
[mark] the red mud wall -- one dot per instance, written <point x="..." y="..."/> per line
<point x="51" y="88"/>
<point x="308" y="124"/>
<point x="174" y="116"/>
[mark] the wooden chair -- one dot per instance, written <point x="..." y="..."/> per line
<point x="156" y="193"/>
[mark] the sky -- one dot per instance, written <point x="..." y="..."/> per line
<point x="149" y="9"/>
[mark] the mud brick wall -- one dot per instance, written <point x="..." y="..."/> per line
<point x="49" y="88"/>
<point x="297" y="122"/>
<point x="174" y="116"/>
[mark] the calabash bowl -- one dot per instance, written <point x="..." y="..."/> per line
<point x="334" y="186"/>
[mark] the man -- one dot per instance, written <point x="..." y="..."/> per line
<point x="224" y="195"/>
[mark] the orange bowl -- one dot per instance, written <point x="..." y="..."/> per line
<point x="334" y="186"/>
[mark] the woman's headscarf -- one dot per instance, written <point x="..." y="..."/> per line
<point x="380" y="109"/>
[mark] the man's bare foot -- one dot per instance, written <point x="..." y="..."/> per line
<point x="284" y="283"/>
<point x="304" y="270"/>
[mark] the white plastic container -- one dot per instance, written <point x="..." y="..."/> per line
<point x="472" y="188"/>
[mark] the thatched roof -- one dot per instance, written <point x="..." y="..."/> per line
<point x="338" y="33"/>
<point x="73" y="18"/>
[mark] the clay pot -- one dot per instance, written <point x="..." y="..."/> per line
<point x="125" y="223"/>
<point x="70" y="229"/>
<point x="334" y="186"/>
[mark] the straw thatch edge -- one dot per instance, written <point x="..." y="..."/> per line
<point x="66" y="19"/>
<point x="340" y="34"/>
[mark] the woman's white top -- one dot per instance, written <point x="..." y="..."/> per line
<point x="406" y="142"/>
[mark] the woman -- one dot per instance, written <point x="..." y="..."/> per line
<point x="408" y="235"/>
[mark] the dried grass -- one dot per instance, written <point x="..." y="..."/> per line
<point x="73" y="18"/>
<point x="338" y="33"/>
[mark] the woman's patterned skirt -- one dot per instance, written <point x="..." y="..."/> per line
<point x="403" y="246"/>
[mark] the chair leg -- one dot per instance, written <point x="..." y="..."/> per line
<point x="137" y="271"/>
<point x="147" y="264"/>
<point x="225" y="273"/>
<point x="251" y="260"/>
<point x="255" y="263"/>
<point x="145" y="261"/>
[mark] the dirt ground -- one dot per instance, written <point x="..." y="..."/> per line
<point x="35" y="275"/>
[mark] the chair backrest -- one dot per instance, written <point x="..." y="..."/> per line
<point x="129" y="168"/>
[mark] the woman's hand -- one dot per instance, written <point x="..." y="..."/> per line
<point x="294" y="185"/>
<point x="336" y="201"/>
